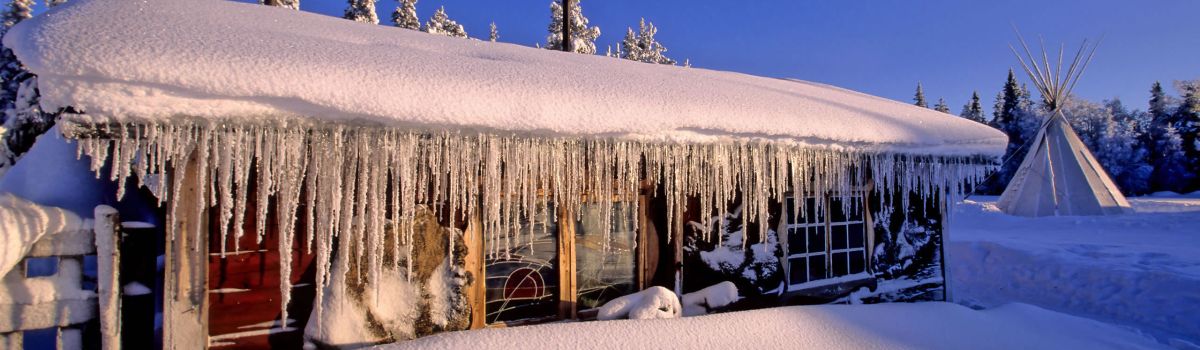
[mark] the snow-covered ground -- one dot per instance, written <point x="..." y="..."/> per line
<point x="1140" y="270"/>
<point x="931" y="325"/>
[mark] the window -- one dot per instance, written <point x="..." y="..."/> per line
<point x="606" y="264"/>
<point x="827" y="240"/>
<point x="522" y="282"/>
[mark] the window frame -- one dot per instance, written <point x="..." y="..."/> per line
<point x="785" y="226"/>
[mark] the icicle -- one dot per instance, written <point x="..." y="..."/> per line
<point x="364" y="185"/>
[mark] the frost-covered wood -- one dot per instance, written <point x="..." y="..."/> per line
<point x="108" y="262"/>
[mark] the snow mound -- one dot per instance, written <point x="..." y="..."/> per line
<point x="711" y="297"/>
<point x="651" y="303"/>
<point x="168" y="58"/>
<point x="1141" y="269"/>
<point x="932" y="325"/>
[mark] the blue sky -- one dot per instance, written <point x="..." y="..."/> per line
<point x="878" y="47"/>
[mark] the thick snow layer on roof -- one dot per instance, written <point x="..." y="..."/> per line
<point x="163" y="58"/>
<point x="880" y="326"/>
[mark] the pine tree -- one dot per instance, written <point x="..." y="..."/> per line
<point x="1187" y="123"/>
<point x="642" y="47"/>
<point x="919" y="98"/>
<point x="440" y="23"/>
<point x="941" y="106"/>
<point x="1171" y="171"/>
<point x="973" y="110"/>
<point x="493" y="34"/>
<point x="361" y="11"/>
<point x="1160" y="105"/>
<point x="405" y="15"/>
<point x="21" y="117"/>
<point x="583" y="37"/>
<point x="290" y="4"/>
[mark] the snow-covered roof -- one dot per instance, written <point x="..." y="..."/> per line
<point x="168" y="58"/>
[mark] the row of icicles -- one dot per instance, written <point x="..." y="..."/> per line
<point x="363" y="183"/>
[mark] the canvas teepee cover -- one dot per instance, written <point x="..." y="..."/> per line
<point x="1059" y="175"/>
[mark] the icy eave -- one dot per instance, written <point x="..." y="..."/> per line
<point x="233" y="63"/>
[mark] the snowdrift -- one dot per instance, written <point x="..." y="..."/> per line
<point x="879" y="326"/>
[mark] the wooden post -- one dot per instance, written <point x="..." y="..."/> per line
<point x="477" y="291"/>
<point x="567" y="293"/>
<point x="677" y="246"/>
<point x="185" y="299"/>
<point x="567" y="43"/>
<point x="108" y="261"/>
<point x="643" y="245"/>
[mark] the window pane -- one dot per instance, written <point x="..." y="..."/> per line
<point x="810" y="209"/>
<point x="836" y="214"/>
<point x="838" y="263"/>
<point x="857" y="262"/>
<point x="796" y="240"/>
<point x="838" y="236"/>
<point x="857" y="235"/>
<point x="524" y="284"/>
<point x="605" y="271"/>
<point x="816" y="240"/>
<point x="790" y="210"/>
<point x="816" y="268"/>
<point x="799" y="271"/>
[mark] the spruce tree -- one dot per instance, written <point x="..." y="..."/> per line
<point x="440" y="23"/>
<point x="583" y="37"/>
<point x="361" y="11"/>
<point x="642" y="47"/>
<point x="21" y="117"/>
<point x="1160" y="105"/>
<point x="290" y="4"/>
<point x="973" y="110"/>
<point x="941" y="106"/>
<point x="405" y="15"/>
<point x="919" y="98"/>
<point x="493" y="33"/>
<point x="1171" y="170"/>
<point x="1187" y="123"/>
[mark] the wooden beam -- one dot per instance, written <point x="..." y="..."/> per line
<point x="477" y="290"/>
<point x="677" y="247"/>
<point x="108" y="262"/>
<point x="185" y="299"/>
<point x="567" y="290"/>
<point x="643" y="243"/>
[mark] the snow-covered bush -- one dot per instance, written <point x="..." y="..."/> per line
<point x="651" y="303"/>
<point x="712" y="297"/>
<point x="754" y="267"/>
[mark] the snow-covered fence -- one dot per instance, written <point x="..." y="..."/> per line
<point x="37" y="305"/>
<point x="43" y="298"/>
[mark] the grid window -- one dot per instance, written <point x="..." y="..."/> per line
<point x="827" y="239"/>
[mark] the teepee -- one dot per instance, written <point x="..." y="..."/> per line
<point x="1059" y="175"/>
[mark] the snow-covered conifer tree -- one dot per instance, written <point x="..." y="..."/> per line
<point x="1171" y="171"/>
<point x="583" y="37"/>
<point x="291" y="4"/>
<point x="493" y="33"/>
<point x="919" y="98"/>
<point x="21" y="119"/>
<point x="362" y="11"/>
<point x="1187" y="123"/>
<point x="941" y="106"/>
<point x="440" y="23"/>
<point x="973" y="110"/>
<point x="642" y="47"/>
<point x="405" y="15"/>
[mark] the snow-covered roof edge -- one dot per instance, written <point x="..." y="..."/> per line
<point x="162" y="59"/>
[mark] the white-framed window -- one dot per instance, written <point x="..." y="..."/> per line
<point x="827" y="241"/>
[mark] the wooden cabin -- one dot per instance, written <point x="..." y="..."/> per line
<point x="338" y="184"/>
